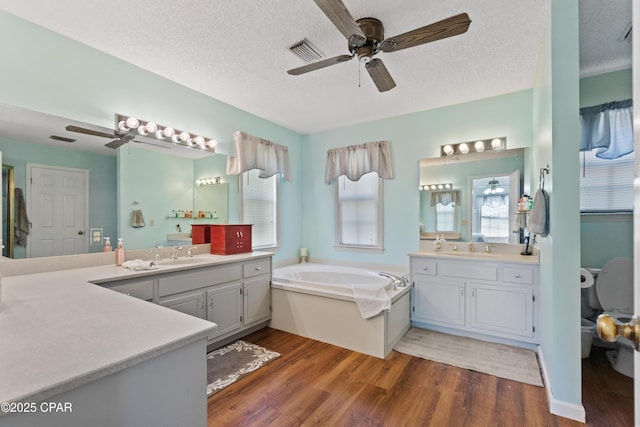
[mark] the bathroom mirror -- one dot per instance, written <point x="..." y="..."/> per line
<point x="26" y="139"/>
<point x="457" y="171"/>
<point x="212" y="198"/>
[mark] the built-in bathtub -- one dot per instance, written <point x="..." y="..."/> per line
<point x="317" y="301"/>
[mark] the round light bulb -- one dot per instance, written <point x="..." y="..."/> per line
<point x="174" y="138"/>
<point x="184" y="136"/>
<point x="448" y="150"/>
<point x="151" y="127"/>
<point x="479" y="146"/>
<point x="464" y="148"/>
<point x="168" y="132"/>
<point x="496" y="144"/>
<point x="142" y="130"/>
<point x="198" y="140"/>
<point x="434" y="187"/>
<point x="132" y="123"/>
<point x="440" y="186"/>
<point x="447" y="186"/>
<point x="122" y="125"/>
<point x="159" y="134"/>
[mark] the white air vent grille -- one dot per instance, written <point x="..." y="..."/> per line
<point x="306" y="51"/>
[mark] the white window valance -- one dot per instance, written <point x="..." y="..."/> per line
<point x="445" y="198"/>
<point x="357" y="160"/>
<point x="257" y="153"/>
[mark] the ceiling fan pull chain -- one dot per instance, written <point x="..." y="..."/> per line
<point x="359" y="72"/>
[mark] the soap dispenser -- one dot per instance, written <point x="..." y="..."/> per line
<point x="107" y="244"/>
<point x="120" y="253"/>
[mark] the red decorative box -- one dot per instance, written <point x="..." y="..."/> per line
<point x="227" y="239"/>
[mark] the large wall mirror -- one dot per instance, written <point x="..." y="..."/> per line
<point x="108" y="184"/>
<point x="454" y="191"/>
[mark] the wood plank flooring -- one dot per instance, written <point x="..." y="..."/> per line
<point x="318" y="384"/>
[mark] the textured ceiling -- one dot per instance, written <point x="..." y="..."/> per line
<point x="237" y="51"/>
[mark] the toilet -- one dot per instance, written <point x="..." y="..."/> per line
<point x="614" y="289"/>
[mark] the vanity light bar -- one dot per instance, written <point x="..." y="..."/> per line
<point x="208" y="181"/>
<point x="492" y="144"/>
<point x="427" y="187"/>
<point x="174" y="136"/>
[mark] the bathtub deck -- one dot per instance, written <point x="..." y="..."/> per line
<point x="337" y="320"/>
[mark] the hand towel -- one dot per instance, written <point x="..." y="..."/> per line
<point x="539" y="218"/>
<point x="137" y="220"/>
<point x="22" y="222"/>
<point x="138" y="264"/>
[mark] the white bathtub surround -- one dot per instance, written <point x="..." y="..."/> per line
<point x="370" y="290"/>
<point x="329" y="313"/>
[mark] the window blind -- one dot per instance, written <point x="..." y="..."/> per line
<point x="259" y="207"/>
<point x="606" y="185"/>
<point x="359" y="211"/>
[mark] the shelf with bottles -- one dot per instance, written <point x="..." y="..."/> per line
<point x="184" y="214"/>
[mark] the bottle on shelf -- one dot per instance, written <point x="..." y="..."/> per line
<point x="107" y="245"/>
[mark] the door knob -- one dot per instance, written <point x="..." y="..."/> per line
<point x="80" y="232"/>
<point x="609" y="330"/>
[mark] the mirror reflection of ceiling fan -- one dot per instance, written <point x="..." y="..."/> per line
<point x="119" y="137"/>
<point x="366" y="39"/>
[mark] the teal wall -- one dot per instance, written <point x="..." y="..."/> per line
<point x="102" y="179"/>
<point x="46" y="72"/>
<point x="603" y="237"/>
<point x="556" y="137"/>
<point x="413" y="137"/>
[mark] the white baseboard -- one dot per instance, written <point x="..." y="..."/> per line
<point x="559" y="407"/>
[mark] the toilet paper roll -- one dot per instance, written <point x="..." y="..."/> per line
<point x="586" y="278"/>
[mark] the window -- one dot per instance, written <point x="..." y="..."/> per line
<point x="259" y="206"/>
<point x="359" y="212"/>
<point x="606" y="185"/>
<point x="445" y="217"/>
<point x="495" y="223"/>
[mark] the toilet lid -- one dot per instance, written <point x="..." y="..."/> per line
<point x="614" y="285"/>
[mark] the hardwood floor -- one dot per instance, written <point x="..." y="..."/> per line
<point x="318" y="384"/>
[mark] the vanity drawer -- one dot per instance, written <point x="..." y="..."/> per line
<point x="174" y="283"/>
<point x="251" y="269"/>
<point x="517" y="275"/>
<point x="138" y="289"/>
<point x="468" y="271"/>
<point x="424" y="266"/>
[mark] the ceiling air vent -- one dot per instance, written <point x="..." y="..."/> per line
<point x="305" y="51"/>
<point x="62" y="138"/>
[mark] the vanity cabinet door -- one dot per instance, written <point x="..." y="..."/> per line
<point x="438" y="301"/>
<point x="257" y="299"/>
<point x="502" y="310"/>
<point x="224" y="308"/>
<point x="188" y="302"/>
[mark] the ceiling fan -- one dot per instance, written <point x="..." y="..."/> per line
<point x="121" y="138"/>
<point x="366" y="39"/>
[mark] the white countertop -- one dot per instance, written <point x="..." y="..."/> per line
<point x="480" y="256"/>
<point x="59" y="331"/>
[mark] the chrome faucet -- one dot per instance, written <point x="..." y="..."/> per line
<point x="394" y="279"/>
<point x="487" y="248"/>
<point x="190" y="252"/>
<point x="174" y="252"/>
<point x="471" y="247"/>
<point x="156" y="257"/>
<point x="454" y="248"/>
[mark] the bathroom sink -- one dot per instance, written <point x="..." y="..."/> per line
<point x="182" y="261"/>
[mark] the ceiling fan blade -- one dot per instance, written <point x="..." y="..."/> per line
<point x="78" y="129"/>
<point x="115" y="143"/>
<point x="320" y="64"/>
<point x="449" y="27"/>
<point x="337" y="13"/>
<point x="380" y="75"/>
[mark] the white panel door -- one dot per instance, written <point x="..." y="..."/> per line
<point x="57" y="210"/>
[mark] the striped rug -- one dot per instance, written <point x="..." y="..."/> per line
<point x="512" y="363"/>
